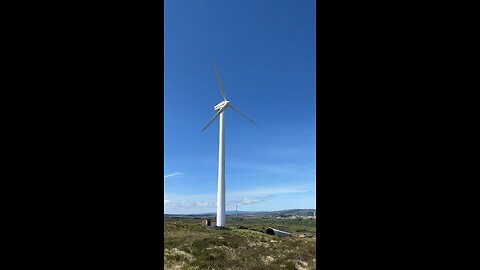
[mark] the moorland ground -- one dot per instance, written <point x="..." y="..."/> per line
<point x="189" y="245"/>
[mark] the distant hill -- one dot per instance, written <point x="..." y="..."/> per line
<point x="294" y="212"/>
<point x="288" y="212"/>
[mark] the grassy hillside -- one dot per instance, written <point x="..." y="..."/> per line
<point x="188" y="245"/>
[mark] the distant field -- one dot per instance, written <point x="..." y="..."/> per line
<point x="188" y="245"/>
<point x="288" y="225"/>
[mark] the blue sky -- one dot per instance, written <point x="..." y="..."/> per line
<point x="265" y="54"/>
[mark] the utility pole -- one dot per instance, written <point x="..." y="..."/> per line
<point x="236" y="213"/>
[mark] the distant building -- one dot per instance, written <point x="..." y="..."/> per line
<point x="206" y="222"/>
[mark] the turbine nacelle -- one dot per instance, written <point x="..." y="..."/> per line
<point x="221" y="105"/>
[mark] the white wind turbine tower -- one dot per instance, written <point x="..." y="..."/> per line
<point x="220" y="108"/>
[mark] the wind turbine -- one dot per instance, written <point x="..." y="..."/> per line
<point x="220" y="109"/>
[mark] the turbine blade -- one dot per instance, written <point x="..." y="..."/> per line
<point x="209" y="122"/>
<point x="219" y="82"/>
<point x="230" y="104"/>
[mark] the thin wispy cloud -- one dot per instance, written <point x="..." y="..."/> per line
<point x="256" y="169"/>
<point x="171" y="175"/>
<point x="248" y="200"/>
<point x="183" y="204"/>
<point x="269" y="191"/>
<point x="252" y="192"/>
<point x="303" y="167"/>
<point x="253" y="170"/>
<point x="201" y="204"/>
<point x="242" y="197"/>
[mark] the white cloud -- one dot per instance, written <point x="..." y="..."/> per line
<point x="172" y="175"/>
<point x="256" y="192"/>
<point x="248" y="200"/>
<point x="184" y="204"/>
<point x="255" y="169"/>
<point x="201" y="204"/>
<point x="266" y="191"/>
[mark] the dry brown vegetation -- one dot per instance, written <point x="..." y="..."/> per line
<point x="188" y="245"/>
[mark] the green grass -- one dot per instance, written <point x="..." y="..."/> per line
<point x="188" y="245"/>
<point x="288" y="225"/>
